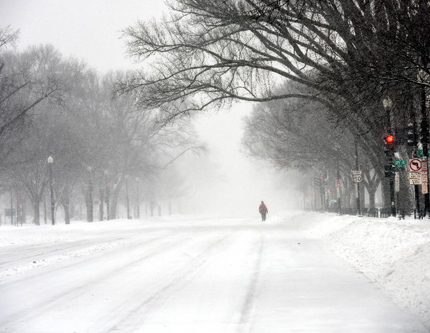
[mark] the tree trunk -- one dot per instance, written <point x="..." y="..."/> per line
<point x="101" y="200"/>
<point x="372" y="195"/>
<point x="66" y="207"/>
<point x="36" y="211"/>
<point x="114" y="198"/>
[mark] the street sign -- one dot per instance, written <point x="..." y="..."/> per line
<point x="357" y="178"/>
<point x="415" y="178"/>
<point x="356" y="172"/>
<point x="415" y="164"/>
<point x="424" y="166"/>
<point x="399" y="162"/>
<point x="420" y="152"/>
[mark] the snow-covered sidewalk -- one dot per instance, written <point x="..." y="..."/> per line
<point x="393" y="253"/>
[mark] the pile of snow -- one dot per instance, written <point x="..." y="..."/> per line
<point x="393" y="253"/>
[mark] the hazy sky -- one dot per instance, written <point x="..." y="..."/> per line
<point x="88" y="29"/>
<point x="91" y="30"/>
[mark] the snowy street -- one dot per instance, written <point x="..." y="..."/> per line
<point x="186" y="275"/>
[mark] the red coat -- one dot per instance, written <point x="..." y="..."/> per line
<point x="262" y="208"/>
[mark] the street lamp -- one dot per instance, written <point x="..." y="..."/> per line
<point x="138" y="201"/>
<point x="107" y="195"/>
<point x="90" y="195"/>
<point x="50" y="162"/>
<point x="127" y="197"/>
<point x="387" y="102"/>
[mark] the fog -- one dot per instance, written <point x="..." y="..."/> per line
<point x="221" y="181"/>
<point x="224" y="180"/>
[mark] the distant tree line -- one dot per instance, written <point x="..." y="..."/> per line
<point x="99" y="140"/>
<point x="322" y="69"/>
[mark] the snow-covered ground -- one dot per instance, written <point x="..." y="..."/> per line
<point x="298" y="272"/>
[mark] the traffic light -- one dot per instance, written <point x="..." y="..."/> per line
<point x="388" y="170"/>
<point x="389" y="140"/>
<point x="411" y="135"/>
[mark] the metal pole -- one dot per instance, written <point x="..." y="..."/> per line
<point x="357" y="167"/>
<point x="425" y="129"/>
<point x="51" y="187"/>
<point x="390" y="160"/>
<point x="417" y="212"/>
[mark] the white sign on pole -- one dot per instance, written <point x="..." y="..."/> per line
<point x="356" y="172"/>
<point x="415" y="178"/>
<point x="415" y="165"/>
<point x="424" y="164"/>
<point x="357" y="178"/>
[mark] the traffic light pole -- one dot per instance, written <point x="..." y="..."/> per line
<point x="424" y="131"/>
<point x="387" y="106"/>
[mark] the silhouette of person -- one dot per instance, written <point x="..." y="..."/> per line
<point x="263" y="211"/>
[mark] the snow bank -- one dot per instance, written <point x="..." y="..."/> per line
<point x="393" y="253"/>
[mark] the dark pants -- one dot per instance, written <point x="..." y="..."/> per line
<point x="263" y="215"/>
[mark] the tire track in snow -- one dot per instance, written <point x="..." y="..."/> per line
<point x="84" y="248"/>
<point x="136" y="316"/>
<point x="75" y="292"/>
<point x="246" y="314"/>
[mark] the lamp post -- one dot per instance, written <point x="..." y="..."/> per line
<point x="107" y="192"/>
<point x="90" y="195"/>
<point x="387" y="102"/>
<point x="127" y="197"/>
<point x="138" y="201"/>
<point x="50" y="162"/>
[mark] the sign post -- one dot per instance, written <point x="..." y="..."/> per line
<point x="357" y="176"/>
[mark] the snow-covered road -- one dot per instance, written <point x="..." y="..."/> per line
<point x="188" y="275"/>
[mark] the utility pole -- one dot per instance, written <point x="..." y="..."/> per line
<point x="389" y="141"/>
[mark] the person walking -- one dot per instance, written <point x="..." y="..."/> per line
<point x="263" y="211"/>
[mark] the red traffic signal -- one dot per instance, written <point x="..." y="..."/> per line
<point x="389" y="139"/>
